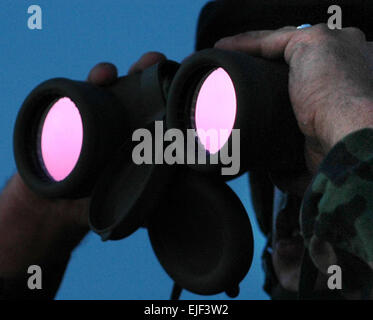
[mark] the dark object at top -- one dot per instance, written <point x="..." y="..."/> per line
<point x="223" y="18"/>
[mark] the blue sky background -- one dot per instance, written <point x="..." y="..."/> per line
<point x="76" y="35"/>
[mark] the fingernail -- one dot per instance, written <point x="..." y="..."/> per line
<point x="222" y="43"/>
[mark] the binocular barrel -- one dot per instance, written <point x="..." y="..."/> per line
<point x="222" y="91"/>
<point x="67" y="131"/>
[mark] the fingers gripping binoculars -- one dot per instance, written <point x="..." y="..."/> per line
<point x="74" y="139"/>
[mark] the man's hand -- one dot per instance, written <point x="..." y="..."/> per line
<point x="36" y="230"/>
<point x="330" y="80"/>
<point x="331" y="91"/>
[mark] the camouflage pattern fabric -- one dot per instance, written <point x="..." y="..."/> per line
<point x="338" y="205"/>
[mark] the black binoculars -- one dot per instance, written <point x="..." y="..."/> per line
<point x="73" y="139"/>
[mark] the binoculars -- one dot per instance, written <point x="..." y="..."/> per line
<point x="73" y="139"/>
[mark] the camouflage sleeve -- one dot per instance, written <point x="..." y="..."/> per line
<point x="338" y="205"/>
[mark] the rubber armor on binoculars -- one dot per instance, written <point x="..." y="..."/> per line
<point x="74" y="139"/>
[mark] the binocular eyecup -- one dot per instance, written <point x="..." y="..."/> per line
<point x="67" y="131"/>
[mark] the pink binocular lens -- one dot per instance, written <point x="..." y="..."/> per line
<point x="215" y="110"/>
<point x="61" y="138"/>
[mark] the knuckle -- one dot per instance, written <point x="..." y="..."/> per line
<point x="353" y="30"/>
<point x="318" y="35"/>
<point x="321" y="28"/>
<point x="287" y="28"/>
<point x="256" y="34"/>
<point x="241" y="36"/>
<point x="356" y="32"/>
<point x="308" y="40"/>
